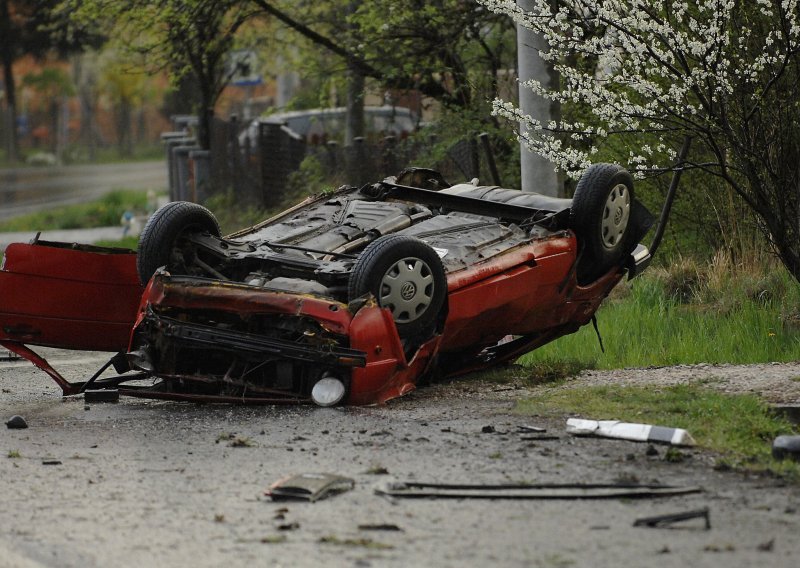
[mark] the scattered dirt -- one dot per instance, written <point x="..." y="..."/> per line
<point x="151" y="483"/>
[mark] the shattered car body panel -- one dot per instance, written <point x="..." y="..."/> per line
<point x="352" y="297"/>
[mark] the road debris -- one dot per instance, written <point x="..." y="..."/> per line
<point x="101" y="395"/>
<point x="524" y="429"/>
<point x="629" y="431"/>
<point x="355" y="542"/>
<point x="767" y="546"/>
<point x="669" y="519"/>
<point x="786" y="447"/>
<point x="293" y="526"/>
<point x="309" y="486"/>
<point x="16" y="422"/>
<point x="379" y="527"/>
<point x="530" y="491"/>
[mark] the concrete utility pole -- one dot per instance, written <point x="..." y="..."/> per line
<point x="538" y="175"/>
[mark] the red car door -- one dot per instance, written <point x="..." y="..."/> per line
<point x="68" y="296"/>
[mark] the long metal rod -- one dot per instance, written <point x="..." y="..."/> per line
<point x="673" y="189"/>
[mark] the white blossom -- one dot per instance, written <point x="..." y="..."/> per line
<point x="662" y="68"/>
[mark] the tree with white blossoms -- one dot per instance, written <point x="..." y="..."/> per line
<point x="646" y="74"/>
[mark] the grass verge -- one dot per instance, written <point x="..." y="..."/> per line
<point x="125" y="242"/>
<point x="104" y="212"/>
<point x="740" y="428"/>
<point x="655" y="321"/>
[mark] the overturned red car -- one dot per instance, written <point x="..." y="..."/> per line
<point x="354" y="296"/>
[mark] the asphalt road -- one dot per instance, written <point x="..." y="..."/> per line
<point x="23" y="190"/>
<point x="148" y="483"/>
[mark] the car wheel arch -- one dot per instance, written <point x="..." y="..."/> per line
<point x="164" y="228"/>
<point x="406" y="276"/>
<point x="600" y="216"/>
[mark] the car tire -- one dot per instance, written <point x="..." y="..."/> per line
<point x="163" y="231"/>
<point x="600" y="215"/>
<point x="406" y="276"/>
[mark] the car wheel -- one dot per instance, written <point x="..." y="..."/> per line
<point x="406" y="276"/>
<point x="162" y="242"/>
<point x="600" y="216"/>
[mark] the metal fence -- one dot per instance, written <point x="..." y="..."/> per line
<point x="258" y="169"/>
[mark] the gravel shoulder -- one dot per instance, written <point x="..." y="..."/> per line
<point x="152" y="483"/>
<point x="777" y="383"/>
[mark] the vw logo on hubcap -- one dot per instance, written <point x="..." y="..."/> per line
<point x="407" y="290"/>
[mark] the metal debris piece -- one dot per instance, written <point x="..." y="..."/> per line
<point x="309" y="486"/>
<point x="524" y="429"/>
<point x="664" y="520"/>
<point x="288" y="526"/>
<point x="16" y="422"/>
<point x="379" y="527"/>
<point x="628" y="431"/>
<point x="101" y="395"/>
<point x="786" y="447"/>
<point x="51" y="462"/>
<point x="530" y="491"/>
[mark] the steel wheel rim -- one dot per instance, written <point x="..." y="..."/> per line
<point x="407" y="289"/>
<point x="616" y="213"/>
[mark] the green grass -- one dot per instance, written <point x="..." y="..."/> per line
<point x="739" y="427"/>
<point x="125" y="242"/>
<point x="701" y="314"/>
<point x="232" y="215"/>
<point x="104" y="212"/>
<point x="741" y="319"/>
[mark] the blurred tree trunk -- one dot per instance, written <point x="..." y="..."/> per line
<point x="354" y="126"/>
<point x="53" y="112"/>
<point x="354" y="118"/>
<point x="123" y="112"/>
<point x="85" y="77"/>
<point x="7" y="56"/>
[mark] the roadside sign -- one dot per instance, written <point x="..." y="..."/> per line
<point x="242" y="68"/>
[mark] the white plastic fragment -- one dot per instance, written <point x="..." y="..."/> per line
<point x="628" y="431"/>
